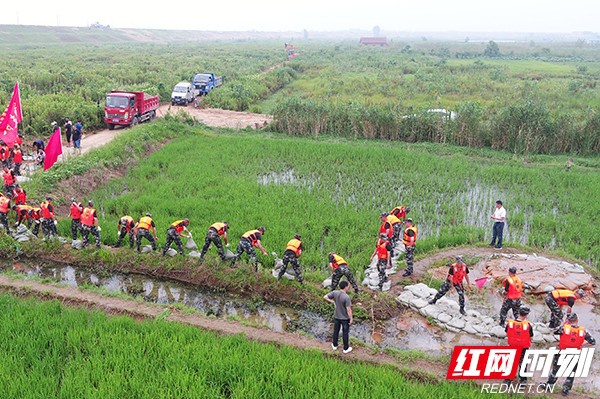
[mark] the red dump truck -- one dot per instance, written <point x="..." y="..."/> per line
<point x="129" y="108"/>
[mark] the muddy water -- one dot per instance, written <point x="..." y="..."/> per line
<point x="409" y="331"/>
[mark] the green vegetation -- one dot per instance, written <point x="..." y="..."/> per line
<point x="524" y="104"/>
<point x="331" y="191"/>
<point x="53" y="351"/>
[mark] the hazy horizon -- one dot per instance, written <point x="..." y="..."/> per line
<point x="510" y="16"/>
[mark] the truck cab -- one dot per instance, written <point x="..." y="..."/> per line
<point x="206" y="81"/>
<point x="184" y="93"/>
<point x="129" y="108"/>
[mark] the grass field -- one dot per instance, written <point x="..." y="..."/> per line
<point x="331" y="191"/>
<point x="50" y="351"/>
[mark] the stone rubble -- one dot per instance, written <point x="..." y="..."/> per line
<point x="445" y="312"/>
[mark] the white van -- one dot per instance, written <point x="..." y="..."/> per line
<point x="183" y="93"/>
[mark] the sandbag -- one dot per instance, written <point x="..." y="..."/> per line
<point x="146" y="249"/>
<point x="229" y="254"/>
<point x="191" y="244"/>
<point x="171" y="252"/>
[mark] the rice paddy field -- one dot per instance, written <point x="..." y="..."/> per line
<point x="50" y="351"/>
<point x="331" y="191"/>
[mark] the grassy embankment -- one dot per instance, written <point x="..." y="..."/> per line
<point x="53" y="351"/>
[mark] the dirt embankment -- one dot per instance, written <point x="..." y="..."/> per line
<point x="74" y="297"/>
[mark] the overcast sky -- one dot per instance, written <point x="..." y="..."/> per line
<point x="315" y="15"/>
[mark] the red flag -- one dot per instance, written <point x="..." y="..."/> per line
<point x="11" y="118"/>
<point x="53" y="149"/>
<point x="481" y="282"/>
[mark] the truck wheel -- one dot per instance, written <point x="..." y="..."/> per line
<point x="172" y="102"/>
<point x="134" y="121"/>
<point x="110" y="126"/>
<point x="152" y="114"/>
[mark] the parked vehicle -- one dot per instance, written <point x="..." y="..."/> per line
<point x="184" y="93"/>
<point x="206" y="81"/>
<point x="129" y="108"/>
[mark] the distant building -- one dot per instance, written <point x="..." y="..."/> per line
<point x="374" y="41"/>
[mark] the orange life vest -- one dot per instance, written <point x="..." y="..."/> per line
<point x="127" y="224"/>
<point x="459" y="271"/>
<point x="251" y="235"/>
<point x="338" y="261"/>
<point x="87" y="217"/>
<point x="518" y="333"/>
<point x="294" y="245"/>
<point x="572" y="337"/>
<point x="17" y="156"/>
<point x="76" y="211"/>
<point x="23" y="207"/>
<point x="4" y="205"/>
<point x="9" y="178"/>
<point x="20" y="197"/>
<point x="389" y="231"/>
<point x="178" y="225"/>
<point x="34" y="213"/>
<point x="407" y="239"/>
<point x="515" y="287"/>
<point x="399" y="212"/>
<point x="145" y="223"/>
<point x="46" y="214"/>
<point x="562" y="296"/>
<point x="219" y="227"/>
<point x="392" y="219"/>
<point x="382" y="251"/>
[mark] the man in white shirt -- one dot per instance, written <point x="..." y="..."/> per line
<point x="499" y="216"/>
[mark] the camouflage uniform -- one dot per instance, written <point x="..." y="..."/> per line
<point x="212" y="237"/>
<point x="246" y="246"/>
<point x="4" y="221"/>
<point x="146" y="234"/>
<point x="75" y="228"/>
<point x="122" y="235"/>
<point x="85" y="233"/>
<point x="409" y="256"/>
<point x="381" y="266"/>
<point x="514" y="304"/>
<point x="36" y="227"/>
<point x="343" y="270"/>
<point x="48" y="228"/>
<point x="397" y="228"/>
<point x="555" y="310"/>
<point x="173" y="235"/>
<point x="446" y="287"/>
<point x="290" y="257"/>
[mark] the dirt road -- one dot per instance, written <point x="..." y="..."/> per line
<point x="209" y="116"/>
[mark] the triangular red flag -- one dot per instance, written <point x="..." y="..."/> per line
<point x="11" y="117"/>
<point x="53" y="149"/>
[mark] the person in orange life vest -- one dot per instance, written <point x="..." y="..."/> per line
<point x="22" y="214"/>
<point x="457" y="272"/>
<point x="519" y="333"/>
<point x="513" y="289"/>
<point x="400" y="212"/>
<point x="48" y="218"/>
<point x="174" y="231"/>
<point x="249" y="241"/>
<point x="17" y="155"/>
<point x="571" y="336"/>
<point x="391" y="226"/>
<point x="340" y="268"/>
<point x="20" y="140"/>
<point x="75" y="211"/>
<point x="35" y="215"/>
<point x="9" y="181"/>
<point x="89" y="224"/>
<point x="4" y="209"/>
<point x="4" y="154"/>
<point x="409" y="239"/>
<point x="559" y="298"/>
<point x="293" y="250"/>
<point x="383" y="250"/>
<point x="19" y="195"/>
<point x="215" y="231"/>
<point x="125" y="226"/>
<point x="142" y="230"/>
